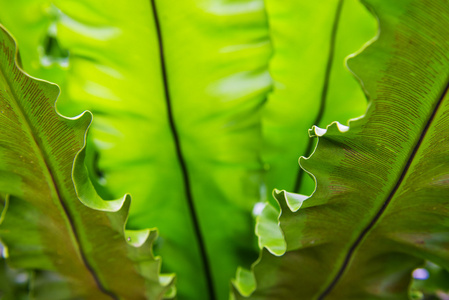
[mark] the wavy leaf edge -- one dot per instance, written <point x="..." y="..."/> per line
<point x="245" y="282"/>
<point x="84" y="188"/>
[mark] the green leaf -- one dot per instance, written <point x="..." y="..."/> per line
<point x="311" y="83"/>
<point x="44" y="225"/>
<point x="176" y="91"/>
<point x="328" y="92"/>
<point x="380" y="204"/>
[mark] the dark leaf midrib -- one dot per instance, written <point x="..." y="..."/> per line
<point x="324" y="91"/>
<point x="45" y="159"/>
<point x="181" y="159"/>
<point x="389" y="198"/>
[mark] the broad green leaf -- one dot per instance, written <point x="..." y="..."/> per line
<point x="380" y="205"/>
<point x="312" y="87"/>
<point x="311" y="83"/>
<point x="176" y="91"/>
<point x="45" y="226"/>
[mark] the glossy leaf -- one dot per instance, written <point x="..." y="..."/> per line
<point x="176" y="94"/>
<point x="380" y="204"/>
<point x="311" y="41"/>
<point x="44" y="225"/>
<point x="312" y="85"/>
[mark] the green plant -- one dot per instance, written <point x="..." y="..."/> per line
<point x="181" y="121"/>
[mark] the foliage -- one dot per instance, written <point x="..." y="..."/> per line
<point x="379" y="207"/>
<point x="200" y="110"/>
<point x="40" y="150"/>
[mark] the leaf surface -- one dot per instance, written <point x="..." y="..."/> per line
<point x="312" y="86"/>
<point x="176" y="94"/>
<point x="311" y="83"/>
<point x="380" y="205"/>
<point x="44" y="225"/>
